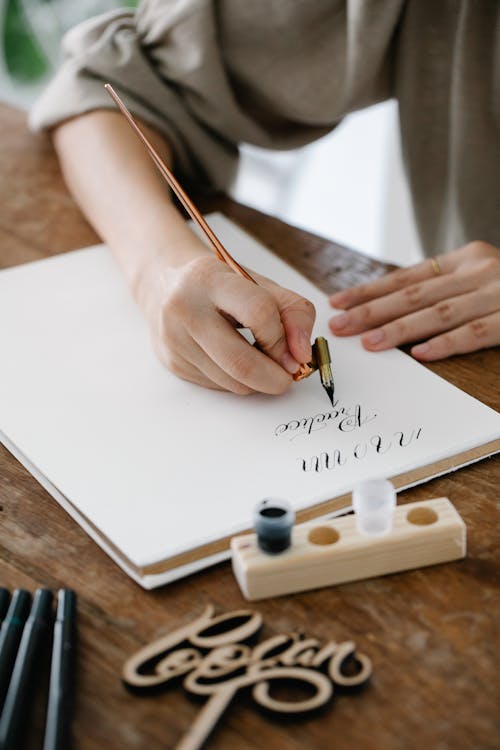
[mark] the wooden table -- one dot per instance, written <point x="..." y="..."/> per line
<point x="432" y="634"/>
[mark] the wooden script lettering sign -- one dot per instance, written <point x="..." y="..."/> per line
<point x="217" y="662"/>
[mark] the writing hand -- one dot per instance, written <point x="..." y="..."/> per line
<point x="191" y="300"/>
<point x="452" y="307"/>
<point x="193" y="312"/>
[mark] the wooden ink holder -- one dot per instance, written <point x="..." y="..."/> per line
<point x="333" y="551"/>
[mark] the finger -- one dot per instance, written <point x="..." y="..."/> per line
<point x="443" y="316"/>
<point x="256" y="308"/>
<point x="185" y="371"/>
<point x="474" y="335"/>
<point x="186" y="359"/>
<point x="237" y="358"/>
<point x="391" y="282"/>
<point x="298" y="315"/>
<point x="207" y="373"/>
<point x="403" y="302"/>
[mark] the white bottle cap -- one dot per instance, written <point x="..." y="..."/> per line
<point x="374" y="501"/>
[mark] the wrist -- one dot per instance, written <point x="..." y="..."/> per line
<point x="155" y="267"/>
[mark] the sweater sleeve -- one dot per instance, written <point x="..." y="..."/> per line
<point x="211" y="74"/>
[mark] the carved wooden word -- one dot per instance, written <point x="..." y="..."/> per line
<point x="212" y="656"/>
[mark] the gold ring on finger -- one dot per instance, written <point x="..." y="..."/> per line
<point x="435" y="266"/>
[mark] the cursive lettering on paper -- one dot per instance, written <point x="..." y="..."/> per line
<point x="340" y="417"/>
<point x="374" y="445"/>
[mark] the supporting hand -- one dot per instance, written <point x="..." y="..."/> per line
<point x="450" y="303"/>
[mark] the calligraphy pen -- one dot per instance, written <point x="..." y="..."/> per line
<point x="13" y="718"/>
<point x="10" y="636"/>
<point x="61" y="673"/>
<point x="321" y="357"/>
<point x="4" y="603"/>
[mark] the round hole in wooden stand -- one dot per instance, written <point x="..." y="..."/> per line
<point x="422" y="516"/>
<point x="323" y="535"/>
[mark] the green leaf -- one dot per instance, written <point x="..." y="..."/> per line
<point x="24" y="58"/>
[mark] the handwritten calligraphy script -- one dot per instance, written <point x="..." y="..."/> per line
<point x="341" y="417"/>
<point x="213" y="655"/>
<point x="375" y="445"/>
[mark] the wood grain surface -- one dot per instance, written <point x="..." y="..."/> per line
<point x="432" y="634"/>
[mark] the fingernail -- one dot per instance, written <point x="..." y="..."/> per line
<point x="338" y="321"/>
<point x="420" y="349"/>
<point x="339" y="300"/>
<point x="374" y="337"/>
<point x="289" y="363"/>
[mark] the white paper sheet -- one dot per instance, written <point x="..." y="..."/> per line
<point x="160" y="466"/>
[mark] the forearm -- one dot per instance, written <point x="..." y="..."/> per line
<point x="190" y="306"/>
<point x="122" y="194"/>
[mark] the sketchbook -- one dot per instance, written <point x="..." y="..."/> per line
<point x="160" y="472"/>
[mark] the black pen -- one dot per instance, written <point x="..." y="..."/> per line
<point x="13" y="717"/>
<point x="4" y="602"/>
<point x="10" y="635"/>
<point x="61" y="673"/>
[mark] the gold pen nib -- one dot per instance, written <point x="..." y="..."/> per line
<point x="320" y="361"/>
<point x="321" y="354"/>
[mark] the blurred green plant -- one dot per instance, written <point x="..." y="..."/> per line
<point x="32" y="30"/>
<point x="24" y="57"/>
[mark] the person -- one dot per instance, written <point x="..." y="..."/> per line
<point x="203" y="76"/>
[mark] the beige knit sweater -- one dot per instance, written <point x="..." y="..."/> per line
<point x="211" y="74"/>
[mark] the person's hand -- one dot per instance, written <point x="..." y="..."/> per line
<point x="451" y="304"/>
<point x="193" y="311"/>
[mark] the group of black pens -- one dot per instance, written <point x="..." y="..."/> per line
<point x="24" y="632"/>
